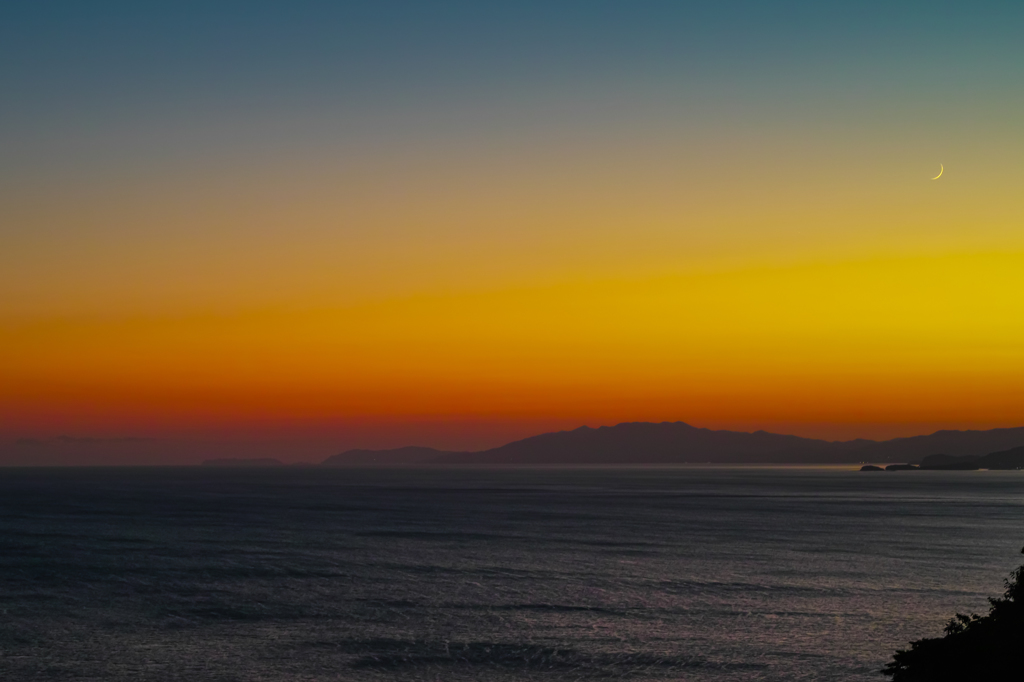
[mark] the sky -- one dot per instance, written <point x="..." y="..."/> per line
<point x="287" y="229"/>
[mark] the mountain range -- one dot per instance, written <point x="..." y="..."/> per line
<point x="1006" y="459"/>
<point x="680" y="443"/>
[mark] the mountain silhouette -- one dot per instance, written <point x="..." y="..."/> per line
<point x="665" y="443"/>
<point x="680" y="443"/>
<point x="953" y="443"/>
<point x="1006" y="459"/>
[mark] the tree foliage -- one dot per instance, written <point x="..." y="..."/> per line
<point x="974" y="647"/>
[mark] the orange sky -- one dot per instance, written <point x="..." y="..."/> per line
<point x="566" y="223"/>
<point x="873" y="347"/>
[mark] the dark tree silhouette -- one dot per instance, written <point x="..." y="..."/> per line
<point x="989" y="648"/>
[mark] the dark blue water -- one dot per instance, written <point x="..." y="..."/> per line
<point x="640" y="574"/>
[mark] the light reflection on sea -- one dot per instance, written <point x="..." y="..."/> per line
<point x="695" y="573"/>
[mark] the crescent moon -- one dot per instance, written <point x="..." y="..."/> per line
<point x="941" y="168"/>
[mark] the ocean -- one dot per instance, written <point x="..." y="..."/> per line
<point x="685" y="573"/>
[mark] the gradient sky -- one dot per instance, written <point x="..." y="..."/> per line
<point x="293" y="228"/>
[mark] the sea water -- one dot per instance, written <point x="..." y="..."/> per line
<point x="491" y="574"/>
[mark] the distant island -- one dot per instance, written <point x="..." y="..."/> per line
<point x="640" y="443"/>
